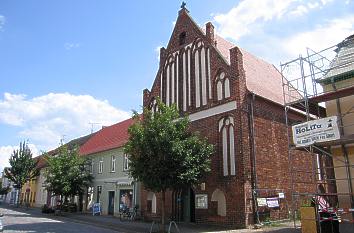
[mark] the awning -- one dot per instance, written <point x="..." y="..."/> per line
<point x="125" y="183"/>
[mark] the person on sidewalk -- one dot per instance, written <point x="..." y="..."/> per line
<point x="328" y="219"/>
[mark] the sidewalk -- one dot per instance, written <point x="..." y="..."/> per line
<point x="114" y="223"/>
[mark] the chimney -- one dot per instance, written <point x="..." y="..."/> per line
<point x="146" y="97"/>
<point x="209" y="29"/>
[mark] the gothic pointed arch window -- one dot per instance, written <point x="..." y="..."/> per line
<point x="222" y="86"/>
<point x="227" y="135"/>
<point x="153" y="105"/>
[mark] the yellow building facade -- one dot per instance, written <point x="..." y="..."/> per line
<point x="339" y="81"/>
<point x="28" y="193"/>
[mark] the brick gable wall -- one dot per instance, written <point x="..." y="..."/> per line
<point x="270" y="168"/>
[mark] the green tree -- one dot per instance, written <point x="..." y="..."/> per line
<point x="164" y="153"/>
<point x="4" y="191"/>
<point x="67" y="173"/>
<point x="23" y="167"/>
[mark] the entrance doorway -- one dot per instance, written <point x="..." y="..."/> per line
<point x="183" y="205"/>
<point x="192" y="205"/>
<point x="188" y="197"/>
<point x="111" y="202"/>
<point x="125" y="199"/>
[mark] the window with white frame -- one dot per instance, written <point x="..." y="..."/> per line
<point x="100" y="166"/>
<point x="126" y="162"/>
<point x="113" y="163"/>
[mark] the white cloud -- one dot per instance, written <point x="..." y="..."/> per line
<point x="69" y="46"/>
<point x="256" y="25"/>
<point x="45" y="119"/>
<point x="242" y="19"/>
<point x="322" y="36"/>
<point x="250" y="15"/>
<point x="300" y="10"/>
<point x="6" y="152"/>
<point x="2" y="21"/>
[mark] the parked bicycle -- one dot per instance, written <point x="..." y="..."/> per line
<point x="128" y="214"/>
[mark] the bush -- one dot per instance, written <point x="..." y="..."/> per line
<point x="47" y="210"/>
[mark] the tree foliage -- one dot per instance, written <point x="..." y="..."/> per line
<point x="67" y="173"/>
<point x="4" y="190"/>
<point x="23" y="166"/>
<point x="164" y="153"/>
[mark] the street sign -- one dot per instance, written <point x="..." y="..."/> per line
<point x="310" y="132"/>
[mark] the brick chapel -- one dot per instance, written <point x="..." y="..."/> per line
<point x="235" y="100"/>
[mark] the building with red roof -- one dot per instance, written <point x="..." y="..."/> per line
<point x="40" y="195"/>
<point x="112" y="187"/>
<point x="235" y="100"/>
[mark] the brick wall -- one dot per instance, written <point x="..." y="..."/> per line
<point x="261" y="152"/>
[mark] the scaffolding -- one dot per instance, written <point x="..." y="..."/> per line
<point x="307" y="95"/>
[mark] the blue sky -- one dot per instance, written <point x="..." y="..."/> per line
<point x="64" y="64"/>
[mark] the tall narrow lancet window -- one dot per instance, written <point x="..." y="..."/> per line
<point x="201" y="73"/>
<point x="184" y="90"/>
<point x="222" y="86"/>
<point x="226" y="131"/>
<point x="170" y="85"/>
<point x="153" y="106"/>
<point x="219" y="89"/>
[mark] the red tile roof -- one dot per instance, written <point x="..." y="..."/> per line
<point x="110" y="137"/>
<point x="42" y="162"/>
<point x="262" y="78"/>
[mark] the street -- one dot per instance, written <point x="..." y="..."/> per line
<point x="31" y="220"/>
<point x="15" y="221"/>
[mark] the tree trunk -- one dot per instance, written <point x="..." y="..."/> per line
<point x="162" y="227"/>
<point x="18" y="196"/>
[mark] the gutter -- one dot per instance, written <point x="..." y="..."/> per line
<point x="253" y="158"/>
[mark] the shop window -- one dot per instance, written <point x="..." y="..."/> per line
<point x="125" y="199"/>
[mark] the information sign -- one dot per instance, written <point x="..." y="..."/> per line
<point x="201" y="201"/>
<point x="96" y="208"/>
<point x="310" y="132"/>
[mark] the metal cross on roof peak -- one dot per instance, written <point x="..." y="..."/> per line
<point x="183" y="6"/>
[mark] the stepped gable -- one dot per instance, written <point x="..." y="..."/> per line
<point x="108" y="138"/>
